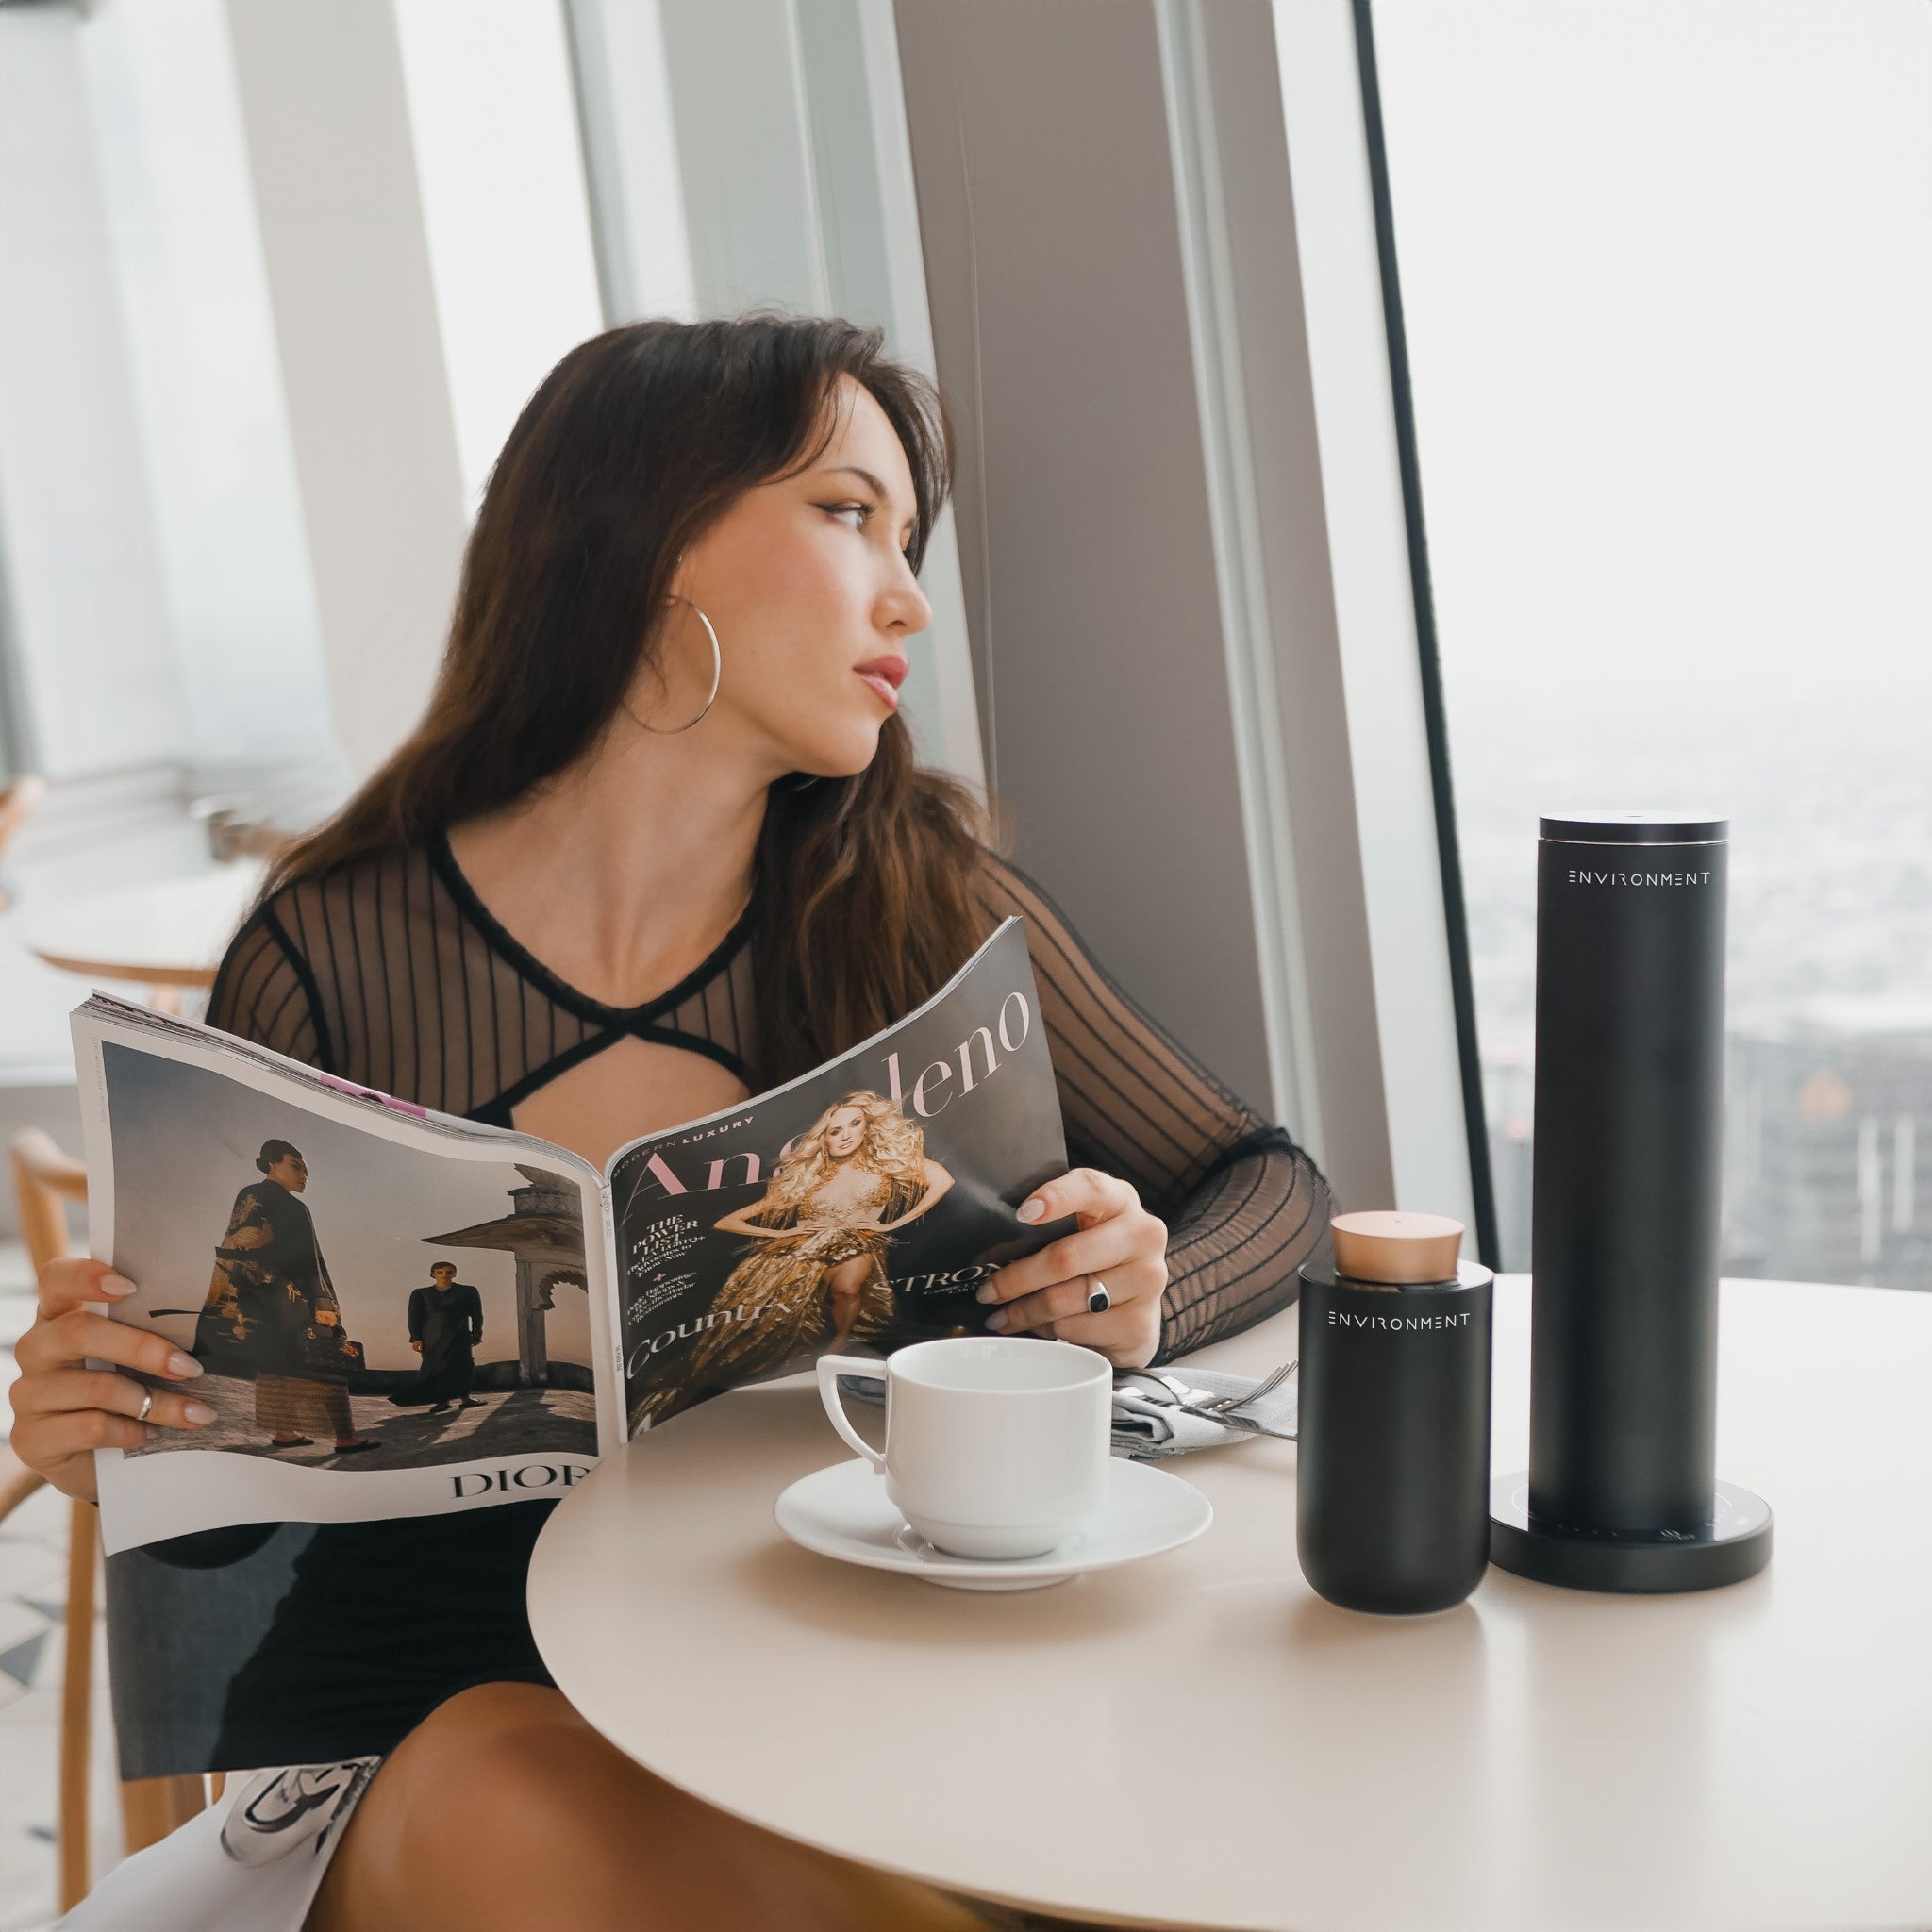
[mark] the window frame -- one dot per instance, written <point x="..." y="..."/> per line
<point x="1429" y="656"/>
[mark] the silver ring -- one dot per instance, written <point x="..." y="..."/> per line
<point x="1099" y="1301"/>
<point x="147" y="1402"/>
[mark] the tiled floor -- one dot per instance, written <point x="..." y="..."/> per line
<point x="33" y="1589"/>
<point x="33" y="1581"/>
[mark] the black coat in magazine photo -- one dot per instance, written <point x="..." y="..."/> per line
<point x="445" y="1325"/>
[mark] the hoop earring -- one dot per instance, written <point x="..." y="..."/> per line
<point x="716" y="676"/>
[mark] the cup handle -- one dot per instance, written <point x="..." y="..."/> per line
<point x="830" y="1368"/>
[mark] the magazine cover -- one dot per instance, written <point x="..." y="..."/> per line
<point x="860" y="1206"/>
<point x="398" y="1313"/>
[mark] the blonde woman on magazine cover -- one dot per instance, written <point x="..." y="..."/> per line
<point x="816" y="1274"/>
<point x="660" y="842"/>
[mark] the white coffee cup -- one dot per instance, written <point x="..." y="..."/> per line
<point x="996" y="1446"/>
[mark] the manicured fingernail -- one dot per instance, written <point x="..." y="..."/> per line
<point x="988" y="1293"/>
<point x="116" y="1285"/>
<point x="1033" y="1209"/>
<point x="181" y="1366"/>
<point x="997" y="1319"/>
<point x="199" y="1413"/>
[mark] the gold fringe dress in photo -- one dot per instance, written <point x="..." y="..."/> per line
<point x="774" y="1312"/>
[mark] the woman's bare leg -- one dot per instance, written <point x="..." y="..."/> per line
<point x="504" y="1811"/>
<point x="847" y="1283"/>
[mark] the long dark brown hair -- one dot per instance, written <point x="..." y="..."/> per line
<point x="634" y="445"/>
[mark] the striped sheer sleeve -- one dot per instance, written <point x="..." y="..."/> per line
<point x="265" y="992"/>
<point x="1244" y="1206"/>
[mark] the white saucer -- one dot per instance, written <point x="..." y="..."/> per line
<point x="842" y="1512"/>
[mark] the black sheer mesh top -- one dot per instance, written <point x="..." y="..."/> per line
<point x="394" y="975"/>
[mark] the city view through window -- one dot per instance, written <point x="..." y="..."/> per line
<point x="1665" y="268"/>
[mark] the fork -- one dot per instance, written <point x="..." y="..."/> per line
<point x="1206" y="1402"/>
<point x="1266" y="1386"/>
<point x="1240" y="1424"/>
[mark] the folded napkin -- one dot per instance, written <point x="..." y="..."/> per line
<point x="1149" y="1422"/>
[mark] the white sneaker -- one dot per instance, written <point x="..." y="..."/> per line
<point x="281" y="1810"/>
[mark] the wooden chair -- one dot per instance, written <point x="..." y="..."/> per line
<point x="18" y="798"/>
<point x="231" y="835"/>
<point x="44" y="1179"/>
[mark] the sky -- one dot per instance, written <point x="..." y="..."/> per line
<point x="1667" y="275"/>
<point x="185" y="1146"/>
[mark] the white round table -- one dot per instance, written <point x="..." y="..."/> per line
<point x="169" y="934"/>
<point x="1199" y="1740"/>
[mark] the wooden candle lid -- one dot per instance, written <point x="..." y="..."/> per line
<point x="1401" y="1250"/>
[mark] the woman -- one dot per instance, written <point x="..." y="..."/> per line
<point x="272" y="1306"/>
<point x="659" y="843"/>
<point x="856" y="1176"/>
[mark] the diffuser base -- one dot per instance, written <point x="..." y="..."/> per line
<point x="1735" y="1545"/>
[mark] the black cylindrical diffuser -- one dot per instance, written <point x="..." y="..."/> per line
<point x="1393" y="1463"/>
<point x="1622" y="1492"/>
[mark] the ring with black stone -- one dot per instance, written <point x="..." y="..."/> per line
<point x="1099" y="1301"/>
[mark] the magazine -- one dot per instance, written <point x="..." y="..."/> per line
<point x="401" y="1313"/>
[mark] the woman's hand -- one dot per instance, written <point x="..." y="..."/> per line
<point x="62" y="1409"/>
<point x="1120" y="1248"/>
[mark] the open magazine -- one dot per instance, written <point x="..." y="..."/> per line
<point x="401" y="1313"/>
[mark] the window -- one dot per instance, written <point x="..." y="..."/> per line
<point x="493" y="120"/>
<point x="152" y="530"/>
<point x="1665" y="270"/>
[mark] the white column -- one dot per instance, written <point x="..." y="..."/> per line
<point x="744" y="148"/>
<point x="1057" y="276"/>
<point x="492" y="113"/>
<point x="1221" y="144"/>
<point x="201" y="343"/>
<point x="1366" y="567"/>
<point x="631" y="159"/>
<point x="81" y="554"/>
<point x="327" y="127"/>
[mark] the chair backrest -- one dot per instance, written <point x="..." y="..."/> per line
<point x="232" y="836"/>
<point x="44" y="1180"/>
<point x="18" y="798"/>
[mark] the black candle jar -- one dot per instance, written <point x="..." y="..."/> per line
<point x="1392" y="1510"/>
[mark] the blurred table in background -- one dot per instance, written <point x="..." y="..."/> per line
<point x="170" y="936"/>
